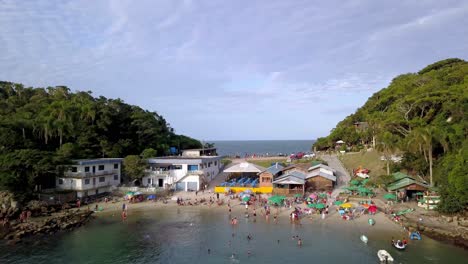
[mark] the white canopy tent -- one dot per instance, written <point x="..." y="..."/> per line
<point x="244" y="167"/>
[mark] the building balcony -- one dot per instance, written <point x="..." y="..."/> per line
<point x="195" y="172"/>
<point x="90" y="174"/>
<point x="156" y="173"/>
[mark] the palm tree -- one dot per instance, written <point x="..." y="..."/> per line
<point x="60" y="112"/>
<point x="388" y="145"/>
<point x="424" y="139"/>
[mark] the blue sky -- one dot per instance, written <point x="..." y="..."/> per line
<point x="230" y="69"/>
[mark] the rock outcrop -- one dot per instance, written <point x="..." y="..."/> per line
<point x="60" y="221"/>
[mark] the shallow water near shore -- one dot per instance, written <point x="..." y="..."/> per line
<point x="184" y="235"/>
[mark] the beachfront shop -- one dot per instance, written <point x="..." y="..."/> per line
<point x="406" y="186"/>
<point x="292" y="182"/>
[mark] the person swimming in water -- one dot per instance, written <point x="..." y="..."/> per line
<point x="249" y="237"/>
<point x="299" y="242"/>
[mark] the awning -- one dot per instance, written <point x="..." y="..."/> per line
<point x="244" y="167"/>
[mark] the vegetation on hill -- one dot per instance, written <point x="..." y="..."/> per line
<point x="421" y="115"/>
<point x="43" y="127"/>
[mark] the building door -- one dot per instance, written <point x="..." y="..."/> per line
<point x="160" y="182"/>
<point x="94" y="169"/>
<point x="192" y="186"/>
<point x="180" y="186"/>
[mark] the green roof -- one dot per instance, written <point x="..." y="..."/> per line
<point x="315" y="163"/>
<point x="400" y="175"/>
<point x="405" y="182"/>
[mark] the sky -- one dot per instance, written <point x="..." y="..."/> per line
<point x="230" y="70"/>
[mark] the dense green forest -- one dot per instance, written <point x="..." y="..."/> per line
<point x="43" y="127"/>
<point x="422" y="116"/>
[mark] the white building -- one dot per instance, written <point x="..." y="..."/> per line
<point x="91" y="177"/>
<point x="184" y="173"/>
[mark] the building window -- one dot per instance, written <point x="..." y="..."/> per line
<point x="101" y="167"/>
<point x="116" y="177"/>
<point x="86" y="169"/>
<point x="116" y="165"/>
<point x="192" y="167"/>
<point x="102" y="179"/>
<point x="177" y="167"/>
<point x="149" y="181"/>
<point x="74" y="169"/>
<point x="60" y="181"/>
<point x="86" y="181"/>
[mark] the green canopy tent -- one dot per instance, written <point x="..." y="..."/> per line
<point x="320" y="206"/>
<point x="355" y="182"/>
<point x="389" y="196"/>
<point x="364" y="191"/>
<point x="364" y="182"/>
<point x="322" y="195"/>
<point x="311" y="205"/>
<point x="338" y="203"/>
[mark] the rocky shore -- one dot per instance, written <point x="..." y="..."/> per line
<point x="44" y="219"/>
<point x="453" y="229"/>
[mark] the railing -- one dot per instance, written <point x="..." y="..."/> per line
<point x="91" y="174"/>
<point x="194" y="172"/>
<point x="280" y="191"/>
<point x="157" y="172"/>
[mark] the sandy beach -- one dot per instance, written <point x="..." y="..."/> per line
<point x="333" y="219"/>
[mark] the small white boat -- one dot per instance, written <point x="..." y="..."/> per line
<point x="384" y="256"/>
<point x="364" y="239"/>
<point x="399" y="245"/>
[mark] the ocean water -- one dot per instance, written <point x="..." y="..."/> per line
<point x="262" y="147"/>
<point x="171" y="235"/>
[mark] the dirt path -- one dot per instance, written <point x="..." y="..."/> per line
<point x="342" y="176"/>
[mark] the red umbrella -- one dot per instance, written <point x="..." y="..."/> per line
<point x="372" y="209"/>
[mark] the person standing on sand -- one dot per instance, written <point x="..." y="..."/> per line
<point x="124" y="215"/>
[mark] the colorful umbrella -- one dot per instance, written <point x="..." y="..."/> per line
<point x="338" y="202"/>
<point x="346" y="205"/>
<point x="246" y="198"/>
<point x="313" y="196"/>
<point x="311" y="205"/>
<point x="389" y="196"/>
<point x="323" y="195"/>
<point x="320" y="206"/>
<point x="372" y="209"/>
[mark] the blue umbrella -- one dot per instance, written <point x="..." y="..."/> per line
<point x="151" y="197"/>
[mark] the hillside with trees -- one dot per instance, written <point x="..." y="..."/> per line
<point x="422" y="116"/>
<point x="43" y="127"/>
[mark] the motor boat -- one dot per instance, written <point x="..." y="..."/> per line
<point x="384" y="256"/>
<point x="415" y="236"/>
<point x="399" y="245"/>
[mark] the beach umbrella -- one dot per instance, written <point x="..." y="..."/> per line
<point x="246" y="198"/>
<point x="364" y="182"/>
<point x="320" y="206"/>
<point x="151" y="197"/>
<point x="323" y="195"/>
<point x="313" y="196"/>
<point x="298" y="195"/>
<point x="130" y="193"/>
<point x="364" y="190"/>
<point x="372" y="209"/>
<point x="311" y="205"/>
<point x="338" y="202"/>
<point x="389" y="196"/>
<point x="346" y="205"/>
<point x="355" y="182"/>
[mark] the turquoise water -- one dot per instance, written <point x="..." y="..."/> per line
<point x="262" y="147"/>
<point x="185" y="235"/>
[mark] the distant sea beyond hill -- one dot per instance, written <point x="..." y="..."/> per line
<point x="261" y="147"/>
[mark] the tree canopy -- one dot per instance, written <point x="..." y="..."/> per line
<point x="53" y="125"/>
<point x="423" y="116"/>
